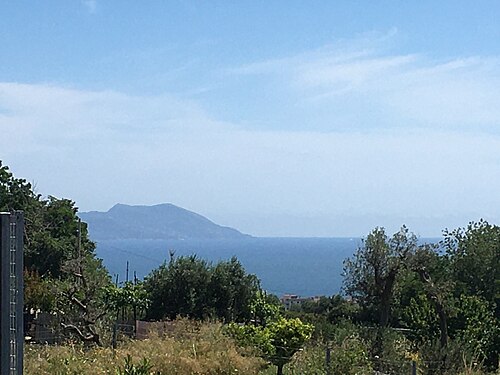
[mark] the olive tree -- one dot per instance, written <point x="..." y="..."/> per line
<point x="371" y="274"/>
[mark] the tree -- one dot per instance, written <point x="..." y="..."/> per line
<point x="277" y="342"/>
<point x="474" y="255"/>
<point x="335" y="308"/>
<point x="434" y="278"/>
<point x="17" y="194"/>
<point x="371" y="275"/>
<point x="232" y="291"/>
<point x="51" y="226"/>
<point x="288" y="336"/>
<point x="130" y="298"/>
<point x="193" y="287"/>
<point x="476" y="328"/>
<point x="62" y="274"/>
<point x="80" y="302"/>
<point x="265" y="308"/>
<point x="56" y="240"/>
<point x="179" y="288"/>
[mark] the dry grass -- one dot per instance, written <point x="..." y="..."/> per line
<point x="190" y="349"/>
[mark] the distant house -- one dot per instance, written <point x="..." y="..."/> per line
<point x="290" y="301"/>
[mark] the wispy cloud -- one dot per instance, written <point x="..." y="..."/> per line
<point x="100" y="147"/>
<point x="91" y="5"/>
<point x="411" y="90"/>
<point x="422" y="146"/>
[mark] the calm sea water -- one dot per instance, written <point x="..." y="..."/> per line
<point x="303" y="266"/>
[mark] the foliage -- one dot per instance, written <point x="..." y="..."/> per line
<point x="202" y="349"/>
<point x="252" y="336"/>
<point x="51" y="226"/>
<point x="187" y="349"/>
<point x="39" y="294"/>
<point x="131" y="297"/>
<point x="476" y="327"/>
<point x="179" y="288"/>
<point x="232" y="291"/>
<point x="57" y="240"/>
<point x="310" y="360"/>
<point x="277" y="342"/>
<point x="265" y="308"/>
<point x="350" y="357"/>
<point x="334" y="308"/>
<point x="447" y="302"/>
<point x="18" y="194"/>
<point x="474" y="254"/>
<point x="370" y="276"/>
<point x="142" y="368"/>
<point x="433" y="273"/>
<point x="192" y="287"/>
<point x="62" y="273"/>
<point x="420" y="317"/>
<point x="80" y="300"/>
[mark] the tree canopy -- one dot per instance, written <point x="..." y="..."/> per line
<point x="192" y="287"/>
<point x="62" y="273"/>
<point x="371" y="275"/>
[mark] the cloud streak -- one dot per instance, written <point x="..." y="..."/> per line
<point x="91" y="5"/>
<point x="102" y="147"/>
<point x="407" y="90"/>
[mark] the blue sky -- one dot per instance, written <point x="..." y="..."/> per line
<point x="278" y="118"/>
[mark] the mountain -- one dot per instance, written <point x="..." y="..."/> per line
<point x="162" y="221"/>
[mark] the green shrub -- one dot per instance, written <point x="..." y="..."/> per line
<point x="142" y="368"/>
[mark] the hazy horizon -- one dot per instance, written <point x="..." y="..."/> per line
<point x="275" y="118"/>
<point x="281" y="225"/>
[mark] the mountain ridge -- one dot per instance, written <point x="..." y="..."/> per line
<point x="160" y="221"/>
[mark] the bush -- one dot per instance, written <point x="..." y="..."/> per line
<point x="141" y="368"/>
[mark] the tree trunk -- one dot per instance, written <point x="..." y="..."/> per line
<point x="443" y="324"/>
<point x="385" y="310"/>
<point x="280" y="369"/>
<point x="385" y="299"/>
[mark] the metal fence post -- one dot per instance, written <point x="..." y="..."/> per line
<point x="11" y="293"/>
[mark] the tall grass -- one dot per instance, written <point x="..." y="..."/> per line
<point x="193" y="348"/>
<point x="189" y="349"/>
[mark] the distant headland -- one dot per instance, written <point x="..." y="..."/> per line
<point x="161" y="221"/>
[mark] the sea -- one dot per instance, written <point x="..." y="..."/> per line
<point x="302" y="266"/>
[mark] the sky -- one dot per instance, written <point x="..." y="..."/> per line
<point x="278" y="118"/>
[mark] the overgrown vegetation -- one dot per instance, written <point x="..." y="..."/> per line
<point x="434" y="303"/>
<point x="190" y="348"/>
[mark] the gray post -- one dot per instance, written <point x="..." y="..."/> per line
<point x="4" y="293"/>
<point x="11" y="293"/>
